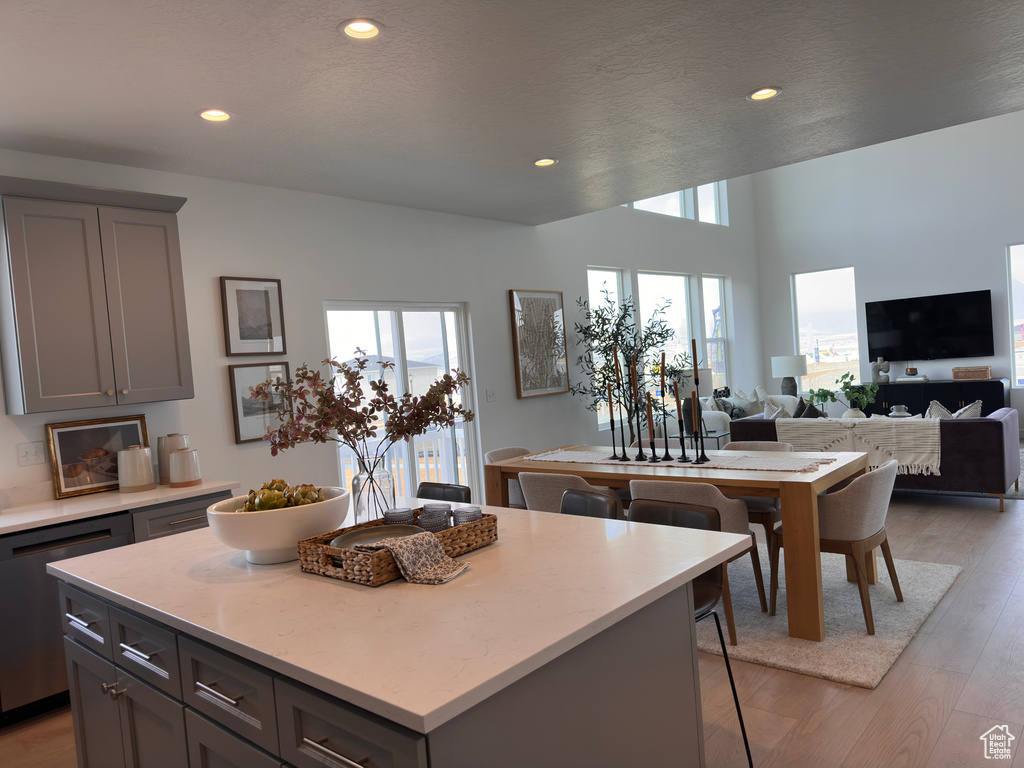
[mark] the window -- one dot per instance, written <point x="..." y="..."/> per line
<point x="715" y="331"/>
<point x="826" y="326"/>
<point x="708" y="203"/>
<point x="1017" y="311"/>
<point x="669" y="292"/>
<point x="424" y="341"/>
<point x="602" y="285"/>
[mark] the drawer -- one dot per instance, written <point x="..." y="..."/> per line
<point x="210" y="746"/>
<point x="86" y="619"/>
<point x="317" y="730"/>
<point x="229" y="690"/>
<point x="174" y="517"/>
<point x="146" y="649"/>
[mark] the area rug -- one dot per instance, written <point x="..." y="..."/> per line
<point x="848" y="654"/>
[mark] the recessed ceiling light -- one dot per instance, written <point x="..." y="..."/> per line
<point x="361" y="29"/>
<point x="761" y="94"/>
<point x="215" y="115"/>
<point x="544" y="162"/>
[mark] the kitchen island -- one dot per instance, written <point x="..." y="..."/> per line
<point x="570" y="641"/>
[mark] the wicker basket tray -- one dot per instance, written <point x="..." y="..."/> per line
<point x="316" y="555"/>
<point x="975" y="373"/>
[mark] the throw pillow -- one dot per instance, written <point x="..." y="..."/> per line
<point x="746" y="407"/>
<point x="772" y="412"/>
<point x="725" y="405"/>
<point x="800" y="408"/>
<point x="812" y="412"/>
<point x="709" y="403"/>
<point x="937" y="410"/>
<point x="761" y="394"/>
<point x="972" y="411"/>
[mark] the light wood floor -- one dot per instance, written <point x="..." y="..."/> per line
<point x="961" y="675"/>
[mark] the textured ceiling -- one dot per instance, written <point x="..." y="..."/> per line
<point x="449" y="107"/>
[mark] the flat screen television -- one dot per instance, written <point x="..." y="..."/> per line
<point x="931" y="327"/>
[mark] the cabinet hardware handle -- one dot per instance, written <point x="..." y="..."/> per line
<point x="114" y="693"/>
<point x="135" y="651"/>
<point x="124" y="391"/>
<point x="110" y="393"/>
<point x="108" y="687"/>
<point x="330" y="752"/>
<point x="216" y="694"/>
<point x="187" y="520"/>
<point x="77" y="621"/>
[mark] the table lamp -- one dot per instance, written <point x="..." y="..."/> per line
<point x="786" y="368"/>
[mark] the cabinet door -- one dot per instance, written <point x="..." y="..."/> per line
<point x="152" y="726"/>
<point x="991" y="393"/>
<point x="946" y="392"/>
<point x="94" y="712"/>
<point x="59" y="298"/>
<point x="210" y="746"/>
<point x="174" y="517"/>
<point x="146" y="295"/>
<point x="910" y="395"/>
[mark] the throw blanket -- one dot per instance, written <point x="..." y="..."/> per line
<point x="914" y="443"/>
<point x="777" y="462"/>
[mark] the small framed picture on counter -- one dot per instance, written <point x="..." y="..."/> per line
<point x="253" y="316"/>
<point x="254" y="417"/>
<point x="83" y="454"/>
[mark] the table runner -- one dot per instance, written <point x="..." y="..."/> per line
<point x="914" y="443"/>
<point x="776" y="463"/>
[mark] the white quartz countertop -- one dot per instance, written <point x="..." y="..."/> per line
<point x="418" y="655"/>
<point x="55" y="511"/>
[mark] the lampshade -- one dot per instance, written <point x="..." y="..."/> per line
<point x="789" y="365"/>
<point x="705" y="382"/>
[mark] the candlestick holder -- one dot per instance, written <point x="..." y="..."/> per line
<point x="664" y="426"/>
<point x="654" y="454"/>
<point x="611" y="420"/>
<point x="682" y="442"/>
<point x="641" y="456"/>
<point x="699" y="457"/>
<point x="622" y="434"/>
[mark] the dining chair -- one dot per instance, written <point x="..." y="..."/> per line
<point x="515" y="491"/>
<point x="588" y="504"/>
<point x="761" y="510"/>
<point x="851" y="522"/>
<point x="710" y="586"/>
<point x="543" y="491"/>
<point x="733" y="513"/>
<point x="445" y="492"/>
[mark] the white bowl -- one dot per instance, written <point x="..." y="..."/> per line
<point x="272" y="536"/>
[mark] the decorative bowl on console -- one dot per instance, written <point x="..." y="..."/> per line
<point x="272" y="535"/>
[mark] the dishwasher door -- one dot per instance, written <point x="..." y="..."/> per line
<point x="31" y="648"/>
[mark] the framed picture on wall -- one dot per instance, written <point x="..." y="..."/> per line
<point x="253" y="417"/>
<point x="538" y="343"/>
<point x="253" y="316"/>
<point x="83" y="454"/>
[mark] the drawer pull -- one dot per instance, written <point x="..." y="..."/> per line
<point x="216" y="694"/>
<point x="187" y="520"/>
<point x="111" y="688"/>
<point x="135" y="651"/>
<point x="78" y="621"/>
<point x="342" y="760"/>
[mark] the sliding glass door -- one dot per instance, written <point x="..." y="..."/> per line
<point x="423" y="341"/>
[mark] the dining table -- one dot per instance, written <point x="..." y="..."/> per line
<point x="797" y="490"/>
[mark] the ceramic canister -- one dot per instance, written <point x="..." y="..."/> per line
<point x="184" y="467"/>
<point x="135" y="469"/>
<point x="164" y="446"/>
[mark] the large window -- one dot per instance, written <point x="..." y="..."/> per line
<point x="1017" y="311"/>
<point x="826" y="322"/>
<point x="715" y="331"/>
<point x="424" y="342"/>
<point x="708" y="203"/>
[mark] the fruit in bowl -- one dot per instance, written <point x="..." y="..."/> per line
<point x="270" y="531"/>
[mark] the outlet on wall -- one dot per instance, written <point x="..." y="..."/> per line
<point x="490" y="395"/>
<point x="31" y="453"/>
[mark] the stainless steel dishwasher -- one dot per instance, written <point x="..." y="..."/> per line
<point x="31" y="648"/>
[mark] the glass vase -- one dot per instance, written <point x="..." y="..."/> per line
<point x="373" y="493"/>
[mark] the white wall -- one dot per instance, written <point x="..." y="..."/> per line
<point x="331" y="248"/>
<point x="923" y="215"/>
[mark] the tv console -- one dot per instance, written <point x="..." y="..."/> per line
<point x="993" y="393"/>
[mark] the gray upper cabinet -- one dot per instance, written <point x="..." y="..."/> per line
<point x="93" y="310"/>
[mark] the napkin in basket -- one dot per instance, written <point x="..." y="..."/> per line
<point x="421" y="558"/>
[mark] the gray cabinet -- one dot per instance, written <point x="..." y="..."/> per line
<point x="93" y="306"/>
<point x="106" y="702"/>
<point x="210" y="746"/>
<point x="993" y="393"/>
<point x="173" y="517"/>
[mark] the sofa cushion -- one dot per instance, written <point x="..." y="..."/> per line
<point x="937" y="410"/>
<point x="800" y="408"/>
<point x="812" y="412"/>
<point x="972" y="411"/>
<point x="776" y="412"/>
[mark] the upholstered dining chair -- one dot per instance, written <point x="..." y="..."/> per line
<point x="544" y="491"/>
<point x="708" y="587"/>
<point x="761" y="510"/>
<point x="733" y="513"/>
<point x="445" y="492"/>
<point x="588" y="504"/>
<point x="851" y="522"/>
<point x="515" y="491"/>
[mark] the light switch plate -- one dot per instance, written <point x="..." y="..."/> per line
<point x="31" y="453"/>
<point x="490" y="395"/>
